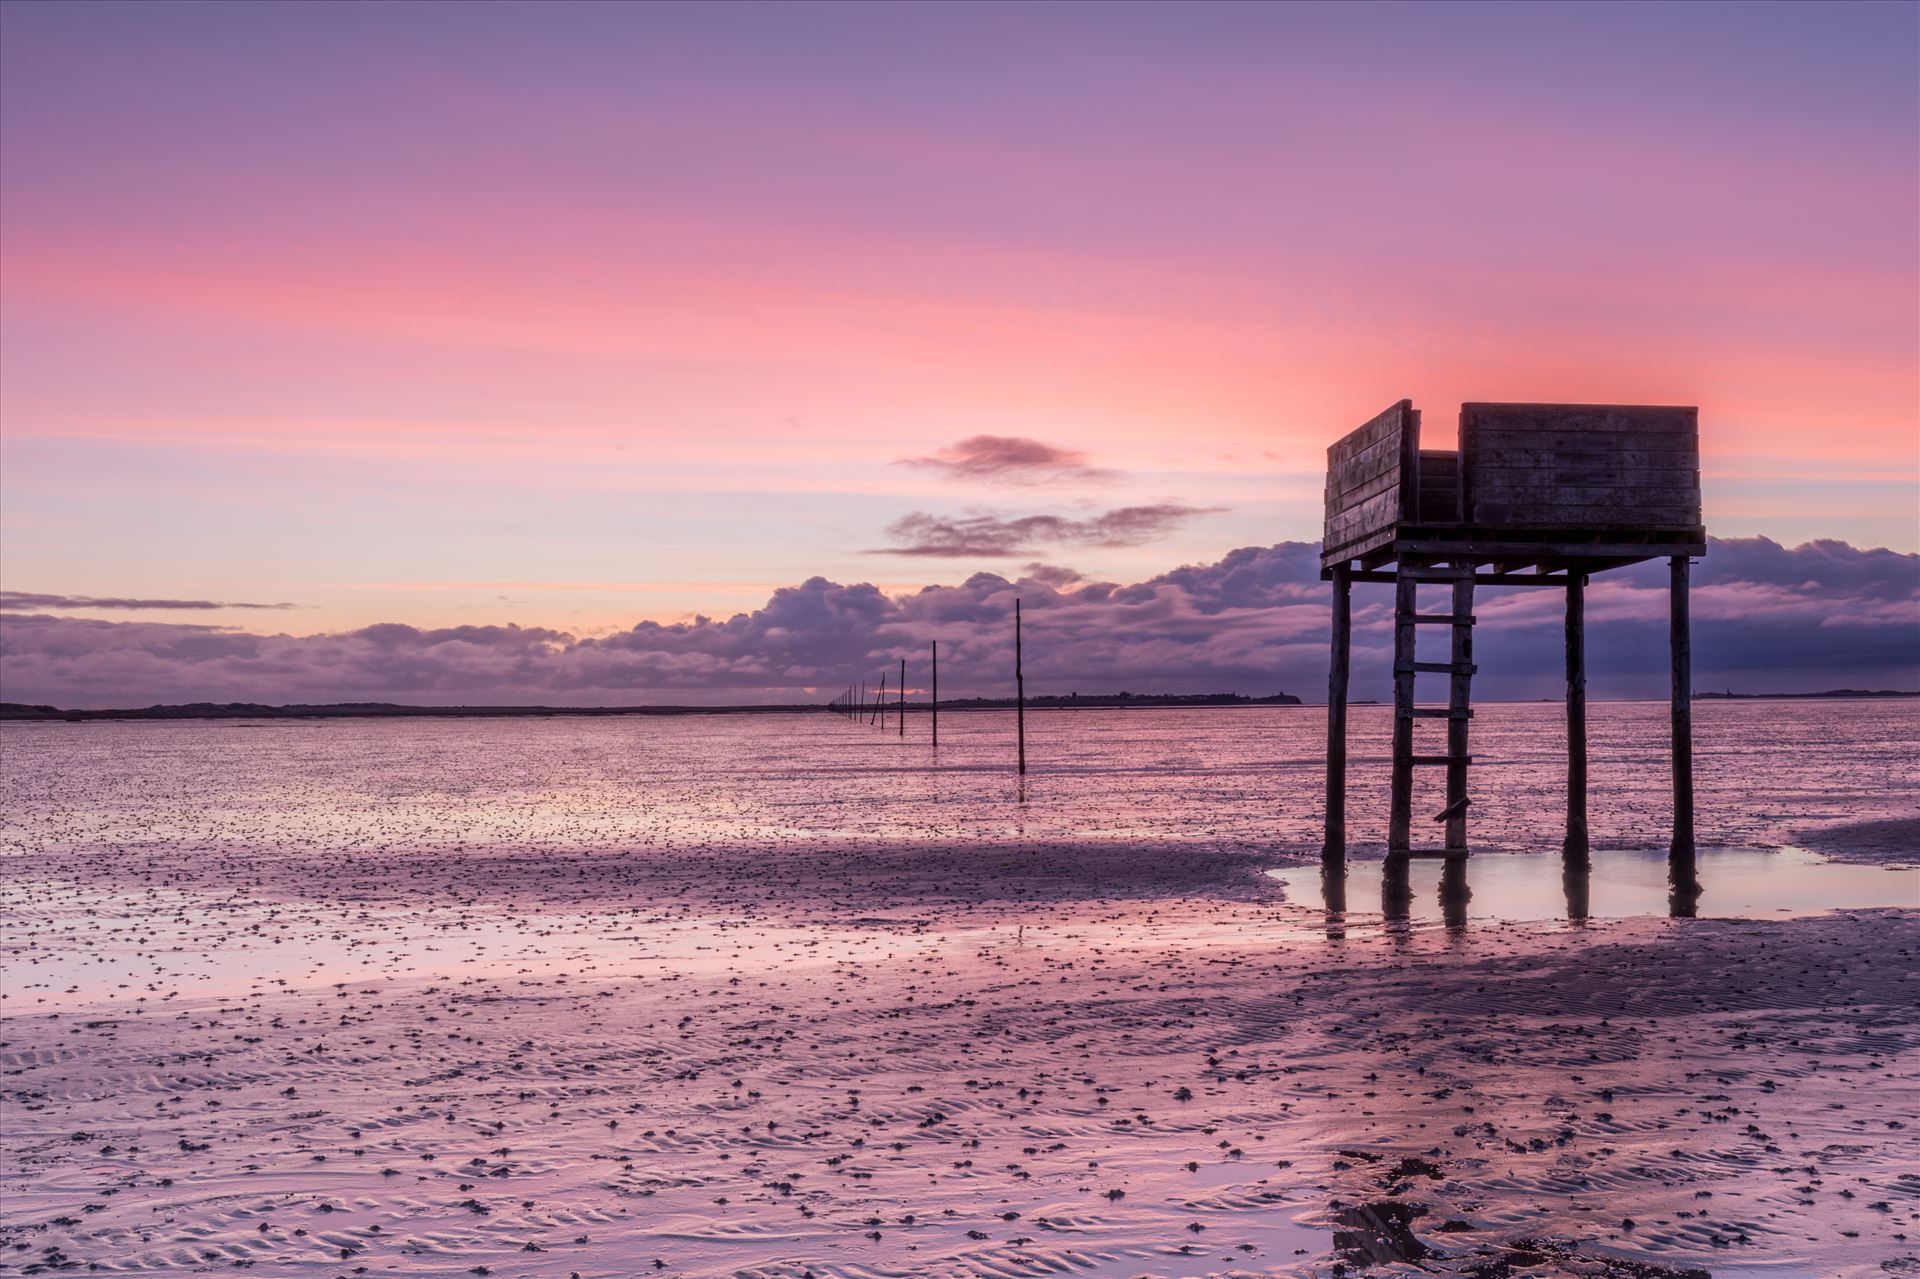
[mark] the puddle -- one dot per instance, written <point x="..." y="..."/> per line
<point x="1733" y="883"/>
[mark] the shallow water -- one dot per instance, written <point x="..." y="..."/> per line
<point x="1732" y="883"/>
<point x="1248" y="778"/>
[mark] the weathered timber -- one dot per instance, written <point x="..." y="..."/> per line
<point x="903" y="697"/>
<point x="1536" y="495"/>
<point x="1681" y="639"/>
<point x="1400" y="810"/>
<point x="1557" y="552"/>
<point x="1579" y="437"/>
<point x="1371" y="477"/>
<point x="1375" y="577"/>
<point x="1459" y="702"/>
<point x="933" y="668"/>
<point x="1439" y="494"/>
<point x="1335" y="845"/>
<point x="1575" y="846"/>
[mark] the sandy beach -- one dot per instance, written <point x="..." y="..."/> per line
<point x="452" y="1032"/>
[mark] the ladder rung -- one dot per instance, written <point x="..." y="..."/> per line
<point x="1436" y="574"/>
<point x="1435" y="712"/>
<point x="1439" y="759"/>
<point x="1438" y="619"/>
<point x="1453" y="810"/>
<point x="1440" y="668"/>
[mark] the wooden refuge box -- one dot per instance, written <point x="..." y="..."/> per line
<point x="1547" y="487"/>
<point x="1536" y="495"/>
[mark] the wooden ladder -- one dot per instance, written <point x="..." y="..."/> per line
<point x="1458" y="712"/>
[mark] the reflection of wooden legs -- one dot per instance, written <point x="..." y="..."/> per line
<point x="1683" y="884"/>
<point x="1682" y="711"/>
<point x="1575" y="875"/>
<point x="1337" y="667"/>
<point x="1333" y="892"/>
<point x="1454" y="893"/>
<point x="1396" y="894"/>
<point x="1576" y="844"/>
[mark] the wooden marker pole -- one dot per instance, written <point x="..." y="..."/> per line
<point x="1682" y="640"/>
<point x="902" y="716"/>
<point x="879" y="704"/>
<point x="1575" y="847"/>
<point x="934" y="706"/>
<point x="1337" y="668"/>
<point x="1019" y="691"/>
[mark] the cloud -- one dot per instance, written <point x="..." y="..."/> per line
<point x="996" y="536"/>
<point x="1766" y="618"/>
<point x="32" y="599"/>
<point x="1054" y="575"/>
<point x="1009" y="459"/>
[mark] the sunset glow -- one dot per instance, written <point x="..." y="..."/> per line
<point x="632" y="313"/>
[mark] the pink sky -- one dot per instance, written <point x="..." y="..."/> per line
<point x="573" y="316"/>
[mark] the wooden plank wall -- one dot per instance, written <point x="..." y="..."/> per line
<point x="1371" y="475"/>
<point x="1581" y="466"/>
<point x="1439" y="487"/>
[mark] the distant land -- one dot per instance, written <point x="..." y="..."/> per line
<point x="1069" y="701"/>
<point x="1700" y="696"/>
<point x="394" y="710"/>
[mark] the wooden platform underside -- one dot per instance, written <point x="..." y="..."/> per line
<point x="1512" y="556"/>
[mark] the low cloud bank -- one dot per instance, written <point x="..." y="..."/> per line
<point x="1766" y="618"/>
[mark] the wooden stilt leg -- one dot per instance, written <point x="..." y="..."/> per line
<point x="1459" y="704"/>
<point x="1575" y="847"/>
<point x="1340" y="659"/>
<point x="1682" y="711"/>
<point x="1400" y="814"/>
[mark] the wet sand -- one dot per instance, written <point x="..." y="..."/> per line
<point x="251" y="1042"/>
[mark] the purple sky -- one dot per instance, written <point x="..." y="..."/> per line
<point x="574" y="316"/>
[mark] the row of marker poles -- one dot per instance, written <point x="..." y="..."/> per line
<point x="854" y="705"/>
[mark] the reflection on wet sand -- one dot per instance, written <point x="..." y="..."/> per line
<point x="1610" y="884"/>
<point x="1683" y="883"/>
<point x="1333" y="892"/>
<point x="1454" y="893"/>
<point x="1396" y="891"/>
<point x="1576" y="878"/>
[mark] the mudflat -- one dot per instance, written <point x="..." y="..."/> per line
<point x="611" y="1000"/>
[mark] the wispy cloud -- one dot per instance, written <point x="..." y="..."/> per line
<point x="33" y="599"/>
<point x="997" y="536"/>
<point x="1009" y="459"/>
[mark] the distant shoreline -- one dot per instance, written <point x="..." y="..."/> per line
<point x="387" y="710"/>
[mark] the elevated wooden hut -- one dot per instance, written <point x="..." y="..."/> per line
<point x="1537" y="495"/>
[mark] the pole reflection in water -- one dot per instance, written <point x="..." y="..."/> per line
<point x="1748" y="883"/>
<point x="1576" y="875"/>
<point x="1396" y="894"/>
<point x="1333" y="892"/>
<point x="1454" y="893"/>
<point x="1683" y="884"/>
